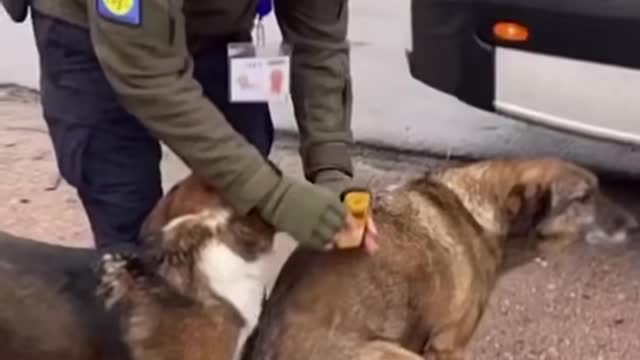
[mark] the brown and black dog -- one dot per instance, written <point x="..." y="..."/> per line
<point x="444" y="239"/>
<point x="194" y="291"/>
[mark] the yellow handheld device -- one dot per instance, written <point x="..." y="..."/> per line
<point x="358" y="202"/>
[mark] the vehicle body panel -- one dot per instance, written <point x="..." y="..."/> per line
<point x="579" y="71"/>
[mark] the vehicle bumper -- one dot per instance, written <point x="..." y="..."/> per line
<point x="587" y="98"/>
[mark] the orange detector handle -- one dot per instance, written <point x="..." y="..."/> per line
<point x="358" y="203"/>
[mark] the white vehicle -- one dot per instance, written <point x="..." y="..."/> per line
<point x="529" y="59"/>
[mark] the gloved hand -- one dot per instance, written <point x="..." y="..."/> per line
<point x="310" y="214"/>
<point x="334" y="180"/>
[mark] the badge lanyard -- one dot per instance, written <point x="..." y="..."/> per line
<point x="263" y="9"/>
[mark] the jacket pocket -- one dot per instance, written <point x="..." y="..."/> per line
<point x="67" y="57"/>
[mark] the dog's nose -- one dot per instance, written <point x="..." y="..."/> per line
<point x="634" y="230"/>
<point x="630" y="224"/>
<point x="634" y="225"/>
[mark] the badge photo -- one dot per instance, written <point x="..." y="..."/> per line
<point x="258" y="73"/>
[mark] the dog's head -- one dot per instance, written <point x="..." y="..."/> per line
<point x="192" y="225"/>
<point x="540" y="206"/>
<point x="194" y="213"/>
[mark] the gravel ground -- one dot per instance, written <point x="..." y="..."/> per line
<point x="583" y="305"/>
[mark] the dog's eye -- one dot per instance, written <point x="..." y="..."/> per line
<point x="585" y="198"/>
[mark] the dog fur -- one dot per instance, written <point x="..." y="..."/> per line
<point x="207" y="254"/>
<point x="194" y="291"/>
<point x="160" y="323"/>
<point x="49" y="309"/>
<point x="445" y="239"/>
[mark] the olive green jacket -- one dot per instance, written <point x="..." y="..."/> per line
<point x="149" y="66"/>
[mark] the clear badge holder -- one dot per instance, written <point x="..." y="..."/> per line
<point x="259" y="72"/>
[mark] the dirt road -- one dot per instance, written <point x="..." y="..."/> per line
<point x="585" y="305"/>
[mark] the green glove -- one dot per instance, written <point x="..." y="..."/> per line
<point x="310" y="214"/>
<point x="334" y="180"/>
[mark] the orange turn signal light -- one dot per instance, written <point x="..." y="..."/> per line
<point x="510" y="31"/>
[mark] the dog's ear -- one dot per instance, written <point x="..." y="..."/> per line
<point x="531" y="202"/>
<point x="526" y="206"/>
<point x="159" y="215"/>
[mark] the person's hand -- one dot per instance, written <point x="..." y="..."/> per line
<point x="371" y="243"/>
<point x="311" y="214"/>
<point x="352" y="228"/>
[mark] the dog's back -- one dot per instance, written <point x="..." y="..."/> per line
<point x="424" y="229"/>
<point x="48" y="309"/>
<point x="444" y="240"/>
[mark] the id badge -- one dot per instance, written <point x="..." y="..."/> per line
<point x="258" y="73"/>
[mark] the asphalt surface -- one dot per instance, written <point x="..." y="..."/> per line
<point x="582" y="305"/>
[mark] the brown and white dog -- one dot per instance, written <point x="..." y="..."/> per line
<point x="197" y="291"/>
<point x="444" y="240"/>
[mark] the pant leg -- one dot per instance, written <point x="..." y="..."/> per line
<point x="101" y="150"/>
<point x="252" y="120"/>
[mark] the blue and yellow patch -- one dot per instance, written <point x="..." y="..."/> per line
<point x="121" y="11"/>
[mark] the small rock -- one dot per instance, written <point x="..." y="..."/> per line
<point x="40" y="156"/>
<point x="19" y="201"/>
<point x="618" y="321"/>
<point x="540" y="261"/>
<point x="71" y="200"/>
<point x="53" y="183"/>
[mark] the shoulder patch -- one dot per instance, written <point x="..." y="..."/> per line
<point x="128" y="12"/>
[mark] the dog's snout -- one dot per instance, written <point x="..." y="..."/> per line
<point x="613" y="224"/>
<point x="617" y="230"/>
<point x="596" y="235"/>
<point x="633" y="224"/>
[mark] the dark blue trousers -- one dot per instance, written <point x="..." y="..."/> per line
<point x="104" y="152"/>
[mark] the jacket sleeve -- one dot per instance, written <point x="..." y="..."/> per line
<point x="320" y="80"/>
<point x="145" y="58"/>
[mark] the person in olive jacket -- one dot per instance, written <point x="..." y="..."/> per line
<point x="118" y="76"/>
